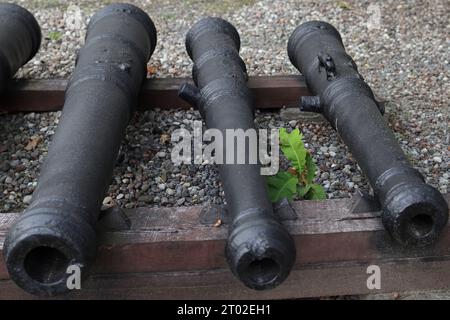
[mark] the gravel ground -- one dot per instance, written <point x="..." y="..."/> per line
<point x="405" y="61"/>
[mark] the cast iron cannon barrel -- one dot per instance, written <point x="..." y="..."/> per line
<point x="20" y="38"/>
<point x="414" y="213"/>
<point x="57" y="230"/>
<point x="259" y="250"/>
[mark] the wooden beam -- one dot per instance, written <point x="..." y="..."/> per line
<point x="168" y="254"/>
<point x="48" y="95"/>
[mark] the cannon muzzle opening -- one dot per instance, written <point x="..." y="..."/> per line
<point x="415" y="214"/>
<point x="259" y="250"/>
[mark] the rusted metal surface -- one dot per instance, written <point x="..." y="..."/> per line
<point x="48" y="95"/>
<point x="337" y="244"/>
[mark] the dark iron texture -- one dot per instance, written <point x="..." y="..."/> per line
<point x="58" y="228"/>
<point x="20" y="38"/>
<point x="414" y="213"/>
<point x="259" y="250"/>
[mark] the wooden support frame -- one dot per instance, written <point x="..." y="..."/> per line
<point x="48" y="95"/>
<point x="168" y="254"/>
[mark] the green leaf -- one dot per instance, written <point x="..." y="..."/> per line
<point x="282" y="185"/>
<point x="298" y="180"/>
<point x="311" y="168"/>
<point x="316" y="193"/>
<point x="293" y="148"/>
<point x="54" y="35"/>
<point x="303" y="190"/>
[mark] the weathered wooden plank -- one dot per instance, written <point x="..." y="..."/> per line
<point x="48" y="95"/>
<point x="323" y="280"/>
<point x="168" y="254"/>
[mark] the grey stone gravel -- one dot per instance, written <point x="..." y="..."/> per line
<point x="405" y="61"/>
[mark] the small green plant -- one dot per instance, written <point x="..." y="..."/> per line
<point x="54" y="35"/>
<point x="298" y="179"/>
